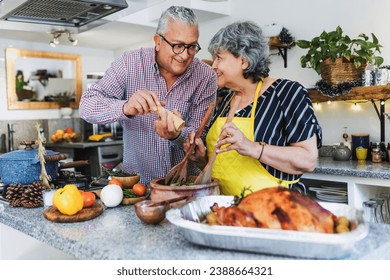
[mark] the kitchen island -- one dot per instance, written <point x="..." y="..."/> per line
<point x="119" y="234"/>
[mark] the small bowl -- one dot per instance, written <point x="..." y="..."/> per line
<point x="128" y="181"/>
<point x="150" y="214"/>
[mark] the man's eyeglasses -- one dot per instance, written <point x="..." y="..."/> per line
<point x="179" y="48"/>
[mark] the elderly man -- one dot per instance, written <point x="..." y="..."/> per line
<point x="140" y="81"/>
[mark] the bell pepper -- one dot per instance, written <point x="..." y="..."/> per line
<point x="68" y="200"/>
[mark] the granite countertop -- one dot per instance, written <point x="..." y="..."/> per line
<point x="83" y="145"/>
<point x="119" y="234"/>
<point x="354" y="168"/>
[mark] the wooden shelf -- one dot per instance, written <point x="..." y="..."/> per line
<point x="274" y="43"/>
<point x="357" y="93"/>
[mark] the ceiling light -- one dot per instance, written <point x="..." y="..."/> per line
<point x="56" y="38"/>
<point x="73" y="41"/>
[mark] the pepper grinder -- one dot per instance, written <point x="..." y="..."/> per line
<point x="345" y="134"/>
<point x="3" y="147"/>
<point x="11" y="132"/>
<point x="345" y="137"/>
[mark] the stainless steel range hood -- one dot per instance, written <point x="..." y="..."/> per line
<point x="71" y="13"/>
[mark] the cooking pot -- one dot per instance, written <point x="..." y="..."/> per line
<point x="24" y="167"/>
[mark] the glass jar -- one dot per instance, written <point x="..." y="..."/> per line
<point x="376" y="155"/>
<point x="371" y="212"/>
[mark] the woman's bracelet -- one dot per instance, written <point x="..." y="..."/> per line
<point x="262" y="144"/>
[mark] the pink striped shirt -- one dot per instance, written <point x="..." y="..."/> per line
<point x="145" y="152"/>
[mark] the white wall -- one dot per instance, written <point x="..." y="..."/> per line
<point x="304" y="19"/>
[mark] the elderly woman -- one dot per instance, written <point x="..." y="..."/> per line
<point x="274" y="136"/>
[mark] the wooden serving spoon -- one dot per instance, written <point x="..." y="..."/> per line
<point x="178" y="173"/>
<point x="204" y="177"/>
<point x="169" y="201"/>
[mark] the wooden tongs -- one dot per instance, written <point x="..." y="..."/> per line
<point x="178" y="173"/>
<point x="204" y="177"/>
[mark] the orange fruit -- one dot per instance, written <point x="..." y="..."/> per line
<point x="115" y="182"/>
<point x="139" y="189"/>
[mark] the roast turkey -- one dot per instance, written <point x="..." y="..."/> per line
<point x="277" y="208"/>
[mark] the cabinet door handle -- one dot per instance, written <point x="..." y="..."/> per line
<point x="107" y="156"/>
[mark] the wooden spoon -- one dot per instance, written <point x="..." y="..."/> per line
<point x="169" y="201"/>
<point x="204" y="177"/>
<point x="178" y="173"/>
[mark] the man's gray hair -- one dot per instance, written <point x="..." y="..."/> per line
<point x="176" y="13"/>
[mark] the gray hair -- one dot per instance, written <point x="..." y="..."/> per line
<point x="246" y="39"/>
<point x="176" y="13"/>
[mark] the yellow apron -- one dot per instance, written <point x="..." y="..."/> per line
<point x="234" y="171"/>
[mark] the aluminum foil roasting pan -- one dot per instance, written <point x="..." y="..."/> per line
<point x="190" y="220"/>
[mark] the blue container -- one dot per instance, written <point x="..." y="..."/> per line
<point x="24" y="167"/>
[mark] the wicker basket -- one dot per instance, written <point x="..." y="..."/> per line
<point x="340" y="71"/>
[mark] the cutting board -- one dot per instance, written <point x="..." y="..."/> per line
<point x="84" y="214"/>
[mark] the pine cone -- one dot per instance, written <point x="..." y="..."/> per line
<point x="14" y="195"/>
<point x="32" y="196"/>
<point x="285" y="36"/>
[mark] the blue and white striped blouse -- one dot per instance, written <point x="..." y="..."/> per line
<point x="284" y="115"/>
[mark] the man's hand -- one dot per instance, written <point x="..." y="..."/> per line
<point x="141" y="102"/>
<point x="165" y="127"/>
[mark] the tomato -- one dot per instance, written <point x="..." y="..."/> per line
<point x="115" y="182"/>
<point x="139" y="189"/>
<point x="88" y="198"/>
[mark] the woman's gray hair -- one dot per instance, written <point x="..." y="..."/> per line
<point x="176" y="13"/>
<point x="246" y="39"/>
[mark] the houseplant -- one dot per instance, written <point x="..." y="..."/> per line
<point x="334" y="47"/>
<point x="63" y="99"/>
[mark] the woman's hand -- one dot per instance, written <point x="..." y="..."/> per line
<point x="236" y="140"/>
<point x="199" y="155"/>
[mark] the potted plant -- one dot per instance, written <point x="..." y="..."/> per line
<point x="63" y="99"/>
<point x="336" y="49"/>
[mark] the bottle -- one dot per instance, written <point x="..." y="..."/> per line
<point x="388" y="157"/>
<point x="376" y="155"/>
<point x="369" y="73"/>
<point x="383" y="151"/>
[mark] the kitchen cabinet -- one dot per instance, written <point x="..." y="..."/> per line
<point x="364" y="180"/>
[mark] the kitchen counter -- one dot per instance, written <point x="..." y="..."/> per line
<point x="365" y="169"/>
<point x="82" y="145"/>
<point x="119" y="234"/>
